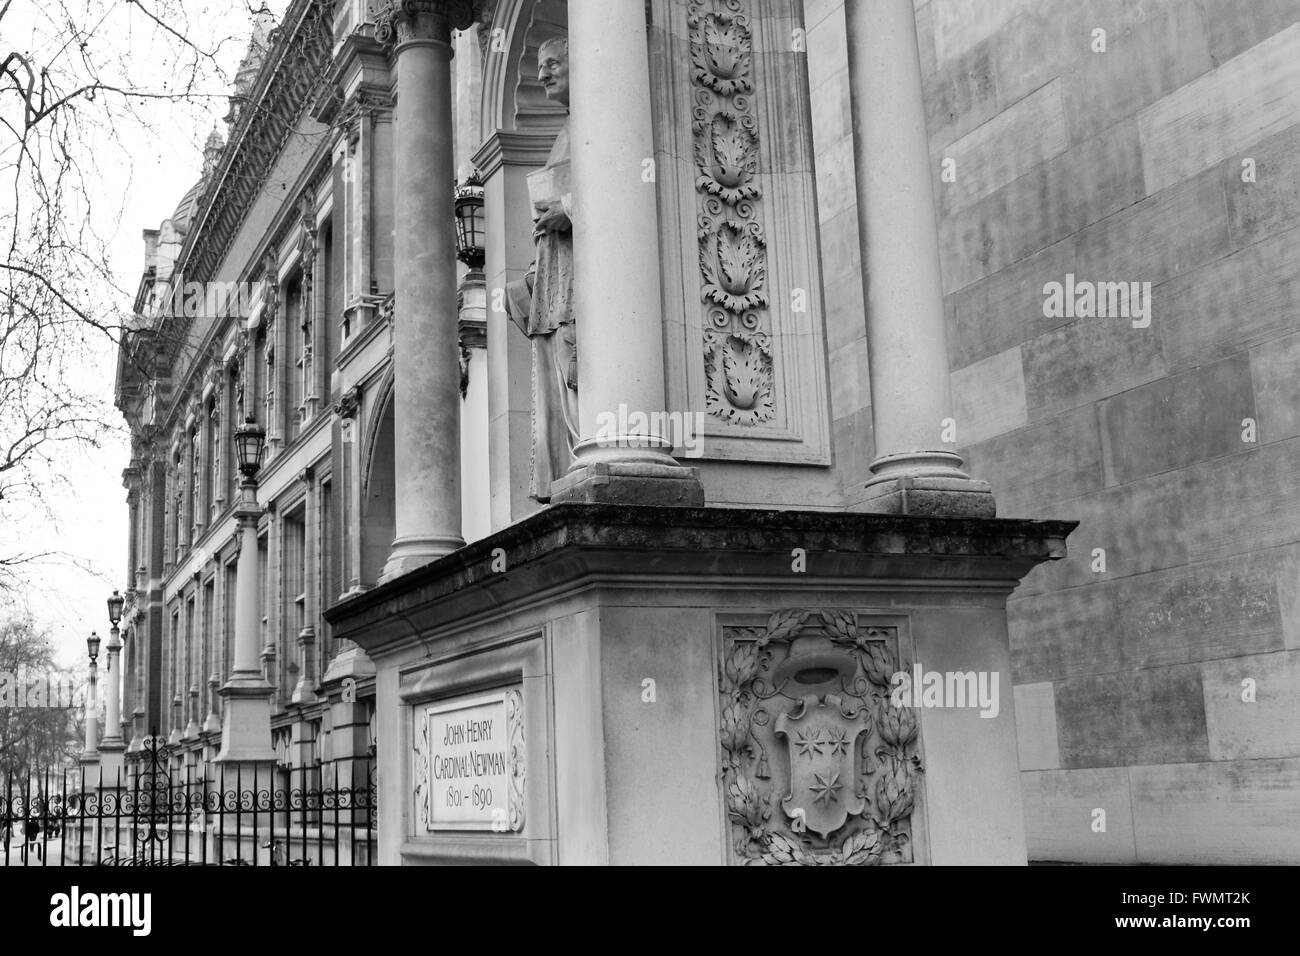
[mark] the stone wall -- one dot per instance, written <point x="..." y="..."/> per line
<point x="1175" y="443"/>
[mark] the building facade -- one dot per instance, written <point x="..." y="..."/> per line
<point x="278" y="288"/>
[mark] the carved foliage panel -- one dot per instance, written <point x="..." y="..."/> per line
<point x="818" y="766"/>
<point x="740" y="387"/>
<point x="738" y="219"/>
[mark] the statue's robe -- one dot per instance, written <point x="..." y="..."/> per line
<point x="541" y="304"/>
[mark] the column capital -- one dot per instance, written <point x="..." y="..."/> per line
<point x="400" y="22"/>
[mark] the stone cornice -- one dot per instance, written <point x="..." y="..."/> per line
<point x="566" y="544"/>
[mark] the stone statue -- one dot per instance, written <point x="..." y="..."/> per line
<point x="541" y="303"/>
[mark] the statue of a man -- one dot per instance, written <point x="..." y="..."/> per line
<point x="541" y="303"/>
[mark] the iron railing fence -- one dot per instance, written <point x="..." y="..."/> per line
<point x="161" y="811"/>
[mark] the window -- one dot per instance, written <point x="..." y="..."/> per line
<point x="294" y="578"/>
<point x="195" y="489"/>
<point x="178" y="505"/>
<point x="330" y="586"/>
<point x="191" y="641"/>
<point x="234" y="417"/>
<point x="228" y="617"/>
<point x="175" y="665"/>
<point x="209" y="639"/>
<point x="296" y="324"/>
<point x="216" y="484"/>
<point x="270" y="384"/>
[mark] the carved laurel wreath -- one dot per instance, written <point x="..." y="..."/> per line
<point x="886" y="821"/>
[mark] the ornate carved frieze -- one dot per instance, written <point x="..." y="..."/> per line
<point x="738" y="355"/>
<point x="291" y="78"/>
<point x="819" y="766"/>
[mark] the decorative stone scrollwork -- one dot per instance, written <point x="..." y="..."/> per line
<point x="739" y="373"/>
<point x="721" y="49"/>
<point x="421" y="744"/>
<point x="819" y="766"/>
<point x="517" y="756"/>
<point x="729" y="152"/>
<point x="401" y="21"/>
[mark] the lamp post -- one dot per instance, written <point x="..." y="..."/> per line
<point x="112" y="747"/>
<point x="89" y="755"/>
<point x="469" y="222"/>
<point x="246" y="729"/>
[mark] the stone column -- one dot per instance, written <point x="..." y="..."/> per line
<point x="111" y="747"/>
<point x="426" y="366"/>
<point x="89" y="755"/>
<point x="910" y="398"/>
<point x="618" y="307"/>
<point x="246" y="728"/>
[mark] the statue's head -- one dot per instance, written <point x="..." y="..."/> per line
<point x="553" y="69"/>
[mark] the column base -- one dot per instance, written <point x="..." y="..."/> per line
<point x="639" y="483"/>
<point x="246" y="730"/>
<point x="411" y="553"/>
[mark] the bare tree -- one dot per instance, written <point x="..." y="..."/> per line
<point x="71" y="106"/>
<point x="41" y="718"/>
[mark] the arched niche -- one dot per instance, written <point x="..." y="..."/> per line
<point x="378" y="490"/>
<point x="512" y="97"/>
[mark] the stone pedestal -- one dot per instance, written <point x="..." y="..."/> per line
<point x="608" y="684"/>
<point x="246" y="727"/>
<point x="112" y="763"/>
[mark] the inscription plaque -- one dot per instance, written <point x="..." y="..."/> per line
<point x="470" y="763"/>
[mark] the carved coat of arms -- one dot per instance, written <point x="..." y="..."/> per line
<point x="819" y="766"/>
<point x="823" y="742"/>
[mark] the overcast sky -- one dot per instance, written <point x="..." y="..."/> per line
<point x="141" y="172"/>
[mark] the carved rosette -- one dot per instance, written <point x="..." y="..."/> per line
<point x="739" y="374"/>
<point x="819" y="767"/>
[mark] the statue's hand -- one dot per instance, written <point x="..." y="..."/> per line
<point x="552" y="218"/>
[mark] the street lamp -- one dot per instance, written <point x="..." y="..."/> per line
<point x="115" y="603"/>
<point x="250" y="443"/>
<point x="469" y="221"/>
<point x="111" y="746"/>
<point x="246" y="731"/>
<point x="88" y="753"/>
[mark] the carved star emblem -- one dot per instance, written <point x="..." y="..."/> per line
<point x="839" y="742"/>
<point x="810" y="744"/>
<point x="825" y="789"/>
